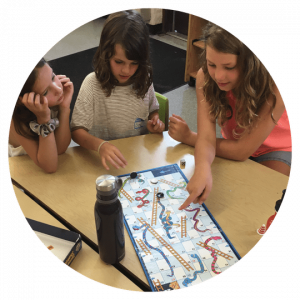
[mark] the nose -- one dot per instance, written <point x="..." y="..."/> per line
<point x="126" y="69"/>
<point x="219" y="74"/>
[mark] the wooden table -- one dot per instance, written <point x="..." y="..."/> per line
<point x="87" y="261"/>
<point x="242" y="199"/>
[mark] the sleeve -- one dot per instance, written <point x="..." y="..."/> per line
<point x="82" y="116"/>
<point x="153" y="103"/>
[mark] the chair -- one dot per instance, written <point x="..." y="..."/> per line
<point x="163" y="109"/>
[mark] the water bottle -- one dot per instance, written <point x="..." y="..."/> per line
<point x="109" y="219"/>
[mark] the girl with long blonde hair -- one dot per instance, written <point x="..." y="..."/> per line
<point x="234" y="89"/>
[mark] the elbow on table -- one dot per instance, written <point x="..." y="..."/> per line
<point x="242" y="156"/>
<point x="49" y="167"/>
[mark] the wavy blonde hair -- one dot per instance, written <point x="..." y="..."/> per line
<point x="254" y="86"/>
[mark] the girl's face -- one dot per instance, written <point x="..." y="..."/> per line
<point x="122" y="68"/>
<point x="222" y="67"/>
<point x="47" y="84"/>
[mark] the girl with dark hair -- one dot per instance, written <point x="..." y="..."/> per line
<point x="235" y="88"/>
<point x="118" y="99"/>
<point x="40" y="121"/>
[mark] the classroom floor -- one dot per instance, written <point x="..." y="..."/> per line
<point x="182" y="101"/>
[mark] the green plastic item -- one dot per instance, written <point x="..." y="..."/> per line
<point x="163" y="109"/>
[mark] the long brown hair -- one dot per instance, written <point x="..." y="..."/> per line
<point x="254" y="86"/>
<point x="22" y="115"/>
<point x="128" y="29"/>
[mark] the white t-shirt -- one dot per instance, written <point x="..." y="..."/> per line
<point x="118" y="116"/>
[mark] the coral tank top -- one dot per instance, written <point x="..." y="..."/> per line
<point x="278" y="140"/>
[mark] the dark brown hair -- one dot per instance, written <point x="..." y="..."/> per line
<point x="128" y="29"/>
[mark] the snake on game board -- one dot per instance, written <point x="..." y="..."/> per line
<point x="125" y="181"/>
<point x="166" y="224"/>
<point x="135" y="227"/>
<point x="212" y="252"/>
<point x="146" y="192"/>
<point x="196" y="220"/>
<point x="172" y="191"/>
<point x="190" y="280"/>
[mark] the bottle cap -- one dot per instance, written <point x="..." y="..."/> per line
<point x="106" y="183"/>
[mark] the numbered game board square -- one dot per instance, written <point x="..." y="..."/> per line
<point x="147" y="258"/>
<point x="179" y="273"/>
<point x="221" y="262"/>
<point x="224" y="247"/>
<point x="154" y="243"/>
<point x="131" y="220"/>
<point x="188" y="246"/>
<point x="164" y="186"/>
<point x="204" y="254"/>
<point x="134" y="185"/>
<point x="193" y="234"/>
<point x="125" y="204"/>
<point x="173" y="201"/>
<point x="137" y="210"/>
<point x="162" y="265"/>
<point x="157" y="276"/>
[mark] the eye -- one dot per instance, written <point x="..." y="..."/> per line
<point x="212" y="66"/>
<point x="46" y="92"/>
<point x="118" y="62"/>
<point x="230" y="68"/>
<point x="135" y="63"/>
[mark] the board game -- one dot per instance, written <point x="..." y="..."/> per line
<point x="177" y="249"/>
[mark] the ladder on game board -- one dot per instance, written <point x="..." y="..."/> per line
<point x="168" y="246"/>
<point x="143" y="246"/>
<point x="158" y="285"/>
<point x="183" y="226"/>
<point x="154" y="207"/>
<point x="172" y="184"/>
<point x="227" y="256"/>
<point x="126" y="195"/>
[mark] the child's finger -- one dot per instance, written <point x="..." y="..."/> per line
<point x="178" y="118"/>
<point x="173" y="119"/>
<point x="37" y="100"/>
<point x="104" y="163"/>
<point x="155" y="119"/>
<point x="157" y="125"/>
<point x="44" y="101"/>
<point x="121" y="157"/>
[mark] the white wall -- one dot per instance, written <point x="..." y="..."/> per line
<point x="152" y="16"/>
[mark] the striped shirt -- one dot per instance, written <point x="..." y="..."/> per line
<point x="118" y="116"/>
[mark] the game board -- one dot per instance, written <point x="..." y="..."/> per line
<point x="176" y="248"/>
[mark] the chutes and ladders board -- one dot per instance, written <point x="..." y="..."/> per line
<point x="176" y="248"/>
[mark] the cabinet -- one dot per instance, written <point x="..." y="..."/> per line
<point x="194" y="49"/>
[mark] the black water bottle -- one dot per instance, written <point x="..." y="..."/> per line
<point x="109" y="219"/>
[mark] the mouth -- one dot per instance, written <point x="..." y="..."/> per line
<point x="124" y="77"/>
<point x="222" y="84"/>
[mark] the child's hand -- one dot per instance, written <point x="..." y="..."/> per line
<point x="38" y="105"/>
<point x="198" y="187"/>
<point x="68" y="90"/>
<point x="155" y="125"/>
<point x="110" y="153"/>
<point x="178" y="129"/>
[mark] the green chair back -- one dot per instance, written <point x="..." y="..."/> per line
<point x="163" y="109"/>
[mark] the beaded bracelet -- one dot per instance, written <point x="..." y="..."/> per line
<point x="44" y="129"/>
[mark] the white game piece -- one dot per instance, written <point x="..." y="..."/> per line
<point x="182" y="163"/>
<point x="154" y="180"/>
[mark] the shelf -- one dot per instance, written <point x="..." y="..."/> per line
<point x="199" y="44"/>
